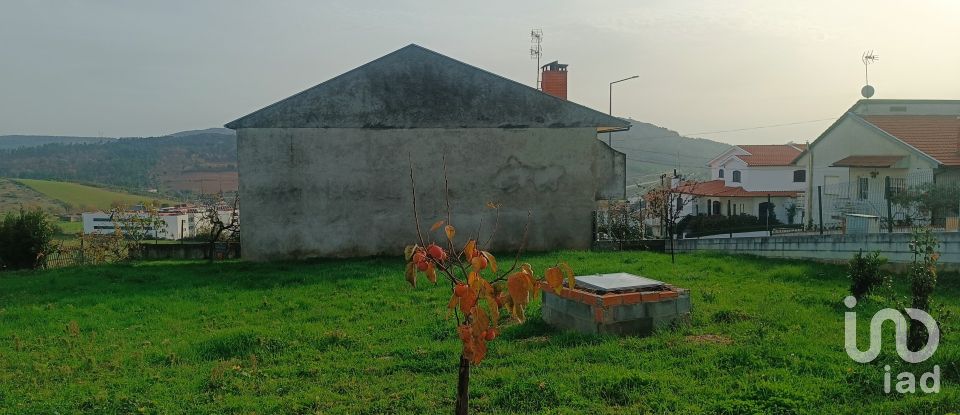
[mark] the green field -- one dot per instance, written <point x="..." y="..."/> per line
<point x="766" y="336"/>
<point x="78" y="197"/>
<point x="14" y="195"/>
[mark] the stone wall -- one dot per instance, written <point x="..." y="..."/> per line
<point x="343" y="192"/>
<point x="895" y="247"/>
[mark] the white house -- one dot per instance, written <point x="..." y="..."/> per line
<point x="903" y="142"/>
<point x="176" y="225"/>
<point x="179" y="223"/>
<point x="751" y="179"/>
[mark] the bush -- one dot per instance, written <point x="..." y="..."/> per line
<point x="702" y="225"/>
<point x="25" y="239"/>
<point x="864" y="273"/>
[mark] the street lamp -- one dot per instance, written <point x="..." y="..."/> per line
<point x="610" y="134"/>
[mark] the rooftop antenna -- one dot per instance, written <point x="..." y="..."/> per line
<point x="536" y="37"/>
<point x="868" y="57"/>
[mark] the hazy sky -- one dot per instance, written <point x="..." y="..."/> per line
<point x="132" y="68"/>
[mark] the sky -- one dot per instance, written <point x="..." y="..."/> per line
<point x="125" y="68"/>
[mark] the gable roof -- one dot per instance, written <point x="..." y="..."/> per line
<point x="860" y="105"/>
<point x="770" y="154"/>
<point x="935" y="135"/>
<point x="414" y="87"/>
<point x="763" y="154"/>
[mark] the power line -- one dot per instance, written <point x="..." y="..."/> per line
<point x="764" y="126"/>
<point x="690" y="135"/>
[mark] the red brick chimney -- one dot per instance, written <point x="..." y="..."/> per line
<point x="553" y="79"/>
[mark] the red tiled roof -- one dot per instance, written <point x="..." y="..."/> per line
<point x="718" y="188"/>
<point x="867" y="161"/>
<point x="936" y="135"/>
<point x="770" y="154"/>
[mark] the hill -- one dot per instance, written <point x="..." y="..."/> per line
<point x="204" y="160"/>
<point x="652" y="150"/>
<point x="9" y="142"/>
<point x="75" y="197"/>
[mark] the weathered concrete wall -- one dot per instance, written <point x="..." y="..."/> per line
<point x="895" y="247"/>
<point x="346" y="192"/>
<point x="610" y="170"/>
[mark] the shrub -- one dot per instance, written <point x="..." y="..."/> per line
<point x="864" y="273"/>
<point x="702" y="225"/>
<point x="25" y="239"/>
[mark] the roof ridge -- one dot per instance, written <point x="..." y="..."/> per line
<point x="311" y="107"/>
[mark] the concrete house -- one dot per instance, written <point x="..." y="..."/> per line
<point x="326" y="172"/>
<point x="876" y="141"/>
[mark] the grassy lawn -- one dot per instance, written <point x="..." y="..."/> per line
<point x="352" y="337"/>
<point x="83" y="197"/>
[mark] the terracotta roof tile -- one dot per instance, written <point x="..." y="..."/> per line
<point x="936" y="135"/>
<point x="867" y="161"/>
<point x="770" y="154"/>
<point x="718" y="188"/>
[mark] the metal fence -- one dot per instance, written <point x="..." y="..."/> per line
<point x="64" y="258"/>
<point x="873" y="203"/>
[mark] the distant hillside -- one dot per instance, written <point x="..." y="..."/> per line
<point x="15" y="195"/>
<point x="204" y="160"/>
<point x="8" y="142"/>
<point x="74" y="197"/>
<point x="652" y="150"/>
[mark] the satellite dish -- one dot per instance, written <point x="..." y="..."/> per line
<point x="867" y="91"/>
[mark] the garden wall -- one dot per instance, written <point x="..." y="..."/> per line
<point x="894" y="246"/>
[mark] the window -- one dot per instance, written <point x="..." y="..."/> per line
<point x="720" y="174"/>
<point x="799" y="176"/>
<point x="716" y="207"/>
<point x="863" y="188"/>
<point x="734" y="209"/>
<point x="897" y="185"/>
<point x="831" y="185"/>
<point x="736" y="176"/>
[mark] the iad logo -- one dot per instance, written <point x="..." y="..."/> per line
<point x="907" y="382"/>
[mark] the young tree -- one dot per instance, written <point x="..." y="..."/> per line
<point x="479" y="288"/>
<point x="923" y="280"/>
<point x="666" y="204"/>
<point x="137" y="227"/>
<point x="219" y="220"/>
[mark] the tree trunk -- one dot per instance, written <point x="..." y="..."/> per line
<point x="463" y="386"/>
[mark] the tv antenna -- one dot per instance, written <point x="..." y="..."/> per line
<point x="868" y="58"/>
<point x="536" y="38"/>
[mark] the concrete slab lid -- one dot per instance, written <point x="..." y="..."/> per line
<point x="620" y="281"/>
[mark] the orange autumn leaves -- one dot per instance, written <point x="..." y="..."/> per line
<point x="479" y="293"/>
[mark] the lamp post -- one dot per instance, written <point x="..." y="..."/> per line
<point x="610" y="134"/>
